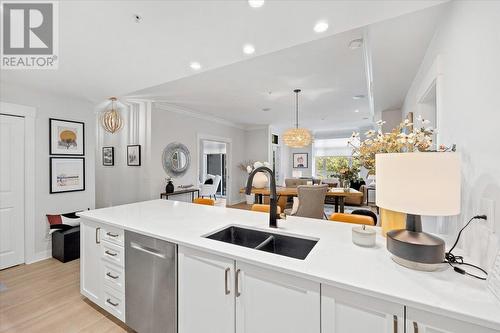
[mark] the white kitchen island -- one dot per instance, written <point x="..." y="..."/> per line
<point x="222" y="287"/>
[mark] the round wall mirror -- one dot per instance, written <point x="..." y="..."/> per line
<point x="176" y="159"/>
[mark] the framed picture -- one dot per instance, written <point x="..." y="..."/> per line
<point x="67" y="174"/>
<point x="66" y="137"/>
<point x="300" y="160"/>
<point x="108" y="156"/>
<point x="134" y="155"/>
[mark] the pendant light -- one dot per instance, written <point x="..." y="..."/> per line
<point x="297" y="137"/>
<point x="111" y="120"/>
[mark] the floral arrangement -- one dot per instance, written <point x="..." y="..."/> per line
<point x="404" y="138"/>
<point x="350" y="173"/>
<point x="249" y="167"/>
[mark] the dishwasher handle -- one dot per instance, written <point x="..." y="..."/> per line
<point x="147" y="250"/>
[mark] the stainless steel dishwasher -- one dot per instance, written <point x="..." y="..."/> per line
<point x="150" y="284"/>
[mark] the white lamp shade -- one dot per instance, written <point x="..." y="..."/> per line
<point x="419" y="183"/>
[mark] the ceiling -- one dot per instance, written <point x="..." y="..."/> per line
<point x="103" y="51"/>
<point x="259" y="90"/>
<point x="327" y="71"/>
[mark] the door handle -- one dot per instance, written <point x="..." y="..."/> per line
<point x="395" y="324"/>
<point x="237" y="283"/>
<point x="110" y="302"/>
<point x="226" y="278"/>
<point x="114" y="277"/>
<point x="109" y="253"/>
<point x="415" y="327"/>
<point x="110" y="234"/>
<point x="148" y="250"/>
<point x="97" y="235"/>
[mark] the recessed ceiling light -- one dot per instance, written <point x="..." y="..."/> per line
<point x="321" y="26"/>
<point x="356" y="43"/>
<point x="356" y="110"/>
<point x="195" y="65"/>
<point x="365" y="118"/>
<point x="266" y="109"/>
<point x="358" y="96"/>
<point x="248" y="49"/>
<point x="256" y="3"/>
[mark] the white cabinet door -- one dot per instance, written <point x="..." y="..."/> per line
<point x="347" y="312"/>
<point x="206" y="292"/>
<point x="418" y="321"/>
<point x="91" y="281"/>
<point x="269" y="302"/>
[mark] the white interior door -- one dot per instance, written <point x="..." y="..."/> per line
<point x="11" y="191"/>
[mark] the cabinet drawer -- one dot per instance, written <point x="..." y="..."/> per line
<point x="112" y="253"/>
<point x="114" y="303"/>
<point x="113" y="235"/>
<point x="114" y="276"/>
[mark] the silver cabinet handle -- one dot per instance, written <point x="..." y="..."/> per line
<point x="395" y="323"/>
<point x="415" y="327"/>
<point x="226" y="278"/>
<point x="110" y="302"/>
<point x="97" y="235"/>
<point x="109" y="253"/>
<point x="147" y="250"/>
<point x="114" y="277"/>
<point x="110" y="234"/>
<point x="237" y="283"/>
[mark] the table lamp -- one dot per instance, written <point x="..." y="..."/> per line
<point x="423" y="183"/>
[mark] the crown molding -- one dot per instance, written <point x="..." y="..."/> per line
<point x="195" y="114"/>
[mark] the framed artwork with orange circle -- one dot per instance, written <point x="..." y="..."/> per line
<point x="66" y="137"/>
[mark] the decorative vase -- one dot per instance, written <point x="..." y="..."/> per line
<point x="346" y="184"/>
<point x="170" y="187"/>
<point x="250" y="198"/>
<point x="391" y="220"/>
<point x="259" y="180"/>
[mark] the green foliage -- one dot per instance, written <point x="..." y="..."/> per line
<point x="336" y="166"/>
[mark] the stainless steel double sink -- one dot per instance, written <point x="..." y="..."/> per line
<point x="289" y="246"/>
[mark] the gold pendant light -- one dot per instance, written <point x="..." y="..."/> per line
<point x="297" y="137"/>
<point x="111" y="120"/>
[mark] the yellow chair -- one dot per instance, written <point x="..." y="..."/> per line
<point x="351" y="218"/>
<point x="264" y="208"/>
<point x="204" y="201"/>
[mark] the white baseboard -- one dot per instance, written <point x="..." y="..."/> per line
<point x="39" y="256"/>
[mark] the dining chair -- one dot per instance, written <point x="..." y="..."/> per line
<point x="311" y="201"/>
<point x="352" y="218"/>
<point x="204" y="201"/>
<point x="264" y="208"/>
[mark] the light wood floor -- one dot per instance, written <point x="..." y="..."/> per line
<point x="45" y="297"/>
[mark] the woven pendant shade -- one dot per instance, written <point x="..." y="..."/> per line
<point x="111" y="120"/>
<point x="297" y="137"/>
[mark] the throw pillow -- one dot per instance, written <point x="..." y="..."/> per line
<point x="63" y="221"/>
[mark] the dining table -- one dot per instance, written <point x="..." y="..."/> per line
<point x="336" y="194"/>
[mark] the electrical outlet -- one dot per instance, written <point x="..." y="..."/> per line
<point x="487" y="207"/>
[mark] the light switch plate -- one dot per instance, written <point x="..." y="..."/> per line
<point x="487" y="207"/>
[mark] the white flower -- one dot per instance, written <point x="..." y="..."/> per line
<point x="249" y="169"/>
<point x="426" y="121"/>
<point x="355" y="135"/>
<point x="370" y="133"/>
<point x="257" y="165"/>
<point x="419" y="118"/>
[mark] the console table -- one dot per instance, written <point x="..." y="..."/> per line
<point x="182" y="191"/>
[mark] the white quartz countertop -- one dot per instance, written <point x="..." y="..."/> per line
<point x="335" y="260"/>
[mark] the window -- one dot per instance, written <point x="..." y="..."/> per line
<point x="331" y="155"/>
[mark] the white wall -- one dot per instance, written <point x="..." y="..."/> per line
<point x="468" y="44"/>
<point x="122" y="184"/>
<point x="392" y="119"/>
<point x="51" y="105"/>
<point x="169" y="125"/>
<point x="257" y="144"/>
